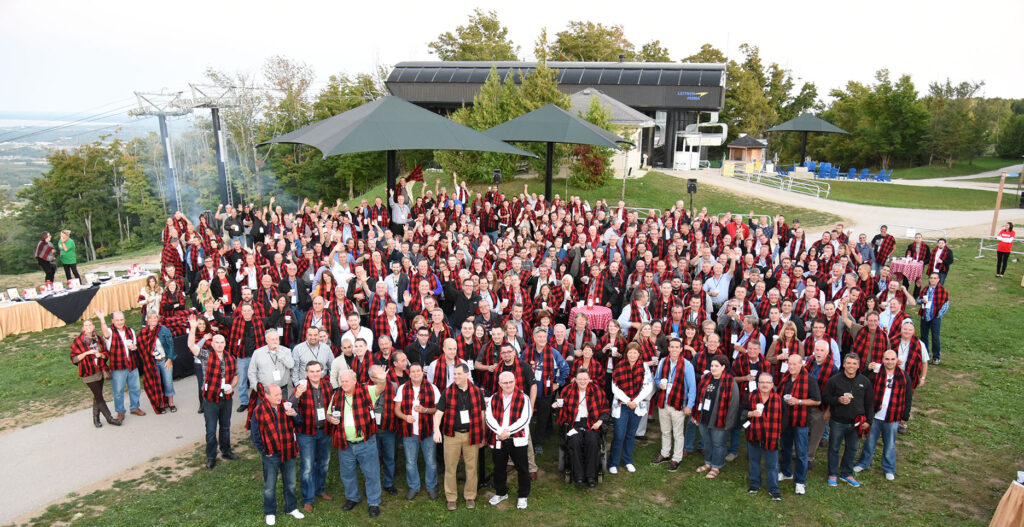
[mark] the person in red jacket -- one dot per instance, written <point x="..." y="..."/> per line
<point x="1005" y="237"/>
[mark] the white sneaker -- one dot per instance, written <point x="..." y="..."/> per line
<point x="889" y="476"/>
<point x="630" y="467"/>
<point x="521" y="504"/>
<point x="496" y="499"/>
<point x="271" y="519"/>
<point x="801" y="489"/>
<point x="858" y="469"/>
<point x="783" y="477"/>
<point x="613" y="470"/>
<point x="297" y="514"/>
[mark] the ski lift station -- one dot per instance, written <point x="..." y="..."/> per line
<point x="669" y="111"/>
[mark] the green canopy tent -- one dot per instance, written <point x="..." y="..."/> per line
<point x="807" y="123"/>
<point x="391" y="124"/>
<point x="551" y="124"/>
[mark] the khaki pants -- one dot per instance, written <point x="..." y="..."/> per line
<point x="816" y="422"/>
<point x="673" y="424"/>
<point x="454" y="446"/>
<point x="531" y="460"/>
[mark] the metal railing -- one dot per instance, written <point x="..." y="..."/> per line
<point x="809" y="187"/>
<point x="928" y="234"/>
<point x="983" y="247"/>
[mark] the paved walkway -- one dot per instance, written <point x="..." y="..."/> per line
<point x="47" y="461"/>
<point x="969" y="181"/>
<point x="863" y="218"/>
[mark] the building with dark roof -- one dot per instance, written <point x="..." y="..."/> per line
<point x="673" y="94"/>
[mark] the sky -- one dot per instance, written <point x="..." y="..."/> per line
<point x="84" y="58"/>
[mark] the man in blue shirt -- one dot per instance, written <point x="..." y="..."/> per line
<point x="934" y="303"/>
<point x="678" y="389"/>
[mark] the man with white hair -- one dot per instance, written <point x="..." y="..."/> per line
<point x="351" y="413"/>
<point x="271" y="364"/>
<point x="508" y="418"/>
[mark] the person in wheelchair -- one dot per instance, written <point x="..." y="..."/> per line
<point x="583" y="412"/>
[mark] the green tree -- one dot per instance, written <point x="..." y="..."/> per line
<point x="653" y="51"/>
<point x="592" y="165"/>
<point x="960" y="128"/>
<point x="484" y="38"/>
<point x="1011" y="138"/>
<point x="708" y="54"/>
<point x="590" y="42"/>
<point x="893" y="122"/>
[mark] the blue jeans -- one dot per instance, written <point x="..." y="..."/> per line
<point x="625" y="436"/>
<point x="715" y="447"/>
<point x="887" y="431"/>
<point x="243" y="380"/>
<point x="841" y="433"/>
<point x="933" y="327"/>
<point x="734" y="440"/>
<point x="386" y="446"/>
<point x="166" y="378"/>
<point x="771" y="466"/>
<point x="272" y="465"/>
<point x="218" y="419"/>
<point x="315" y="451"/>
<point x="118" y="379"/>
<point x="412" y="446"/>
<point x="942" y="278"/>
<point x="690" y="430"/>
<point x="363" y="454"/>
<point x="794" y="437"/>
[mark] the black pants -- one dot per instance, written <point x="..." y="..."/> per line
<point x="542" y="419"/>
<point x="49" y="269"/>
<point x="96" y="387"/>
<point x="910" y="400"/>
<point x="71" y="269"/>
<point x="1001" y="260"/>
<point x="218" y="417"/>
<point x="518" y="456"/>
<point x="584" y="451"/>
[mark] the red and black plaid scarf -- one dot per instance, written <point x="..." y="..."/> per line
<point x="119" y="358"/>
<point x="546" y="362"/>
<point x="518" y="369"/>
<point x="741" y="367"/>
<point x="236" y="344"/>
<point x="476" y="408"/>
<point x="597" y="404"/>
<point x="885" y="249"/>
<point x="426" y="400"/>
<point x="381" y="326"/>
<point x="218" y="371"/>
<point x="939" y="299"/>
<point x="825" y="370"/>
<point x="151" y="381"/>
<point x="362" y="415"/>
<point x="724" y="398"/>
<point x="306" y="406"/>
<point x="326" y="322"/>
<point x="677" y="396"/>
<point x="800" y="390"/>
<point x="767" y="429"/>
<point x="89" y="365"/>
<point x="915" y="359"/>
<point x="662" y="308"/>
<point x="629" y="379"/>
<point x="361" y="367"/>
<point x="898" y="397"/>
<point x="276" y="430"/>
<point x="870" y="346"/>
<point x="388" y="420"/>
<point x="515" y="409"/>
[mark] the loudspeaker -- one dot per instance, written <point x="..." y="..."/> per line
<point x="691" y="186"/>
<point x="496" y="177"/>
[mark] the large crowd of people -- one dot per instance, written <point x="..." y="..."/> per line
<point x="460" y="326"/>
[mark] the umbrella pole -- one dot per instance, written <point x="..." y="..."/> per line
<point x="392" y="170"/>
<point x="803" y="150"/>
<point x="548" y="165"/>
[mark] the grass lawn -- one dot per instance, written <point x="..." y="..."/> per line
<point x="953" y="466"/>
<point x="915" y="197"/>
<point x="960" y="168"/>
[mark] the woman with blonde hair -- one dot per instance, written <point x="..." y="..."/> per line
<point x="202" y="295"/>
<point x="786" y="343"/>
<point x="150" y="296"/>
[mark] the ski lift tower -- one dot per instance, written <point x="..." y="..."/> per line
<point x="215" y="98"/>
<point x="161" y="105"/>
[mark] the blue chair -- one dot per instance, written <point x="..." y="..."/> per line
<point x="873" y="177"/>
<point x="834" y="173"/>
<point x="811" y="166"/>
<point x="852" y="174"/>
<point x="863" y="175"/>
<point x="888" y="176"/>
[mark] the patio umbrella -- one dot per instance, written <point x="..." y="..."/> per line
<point x="391" y="124"/>
<point x="551" y="124"/>
<point x="807" y="123"/>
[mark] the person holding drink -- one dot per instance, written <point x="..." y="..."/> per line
<point x="90" y="355"/>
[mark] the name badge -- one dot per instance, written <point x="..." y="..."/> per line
<point x="464" y="417"/>
<point x="280" y="332"/>
<point x="520" y="441"/>
<point x="321" y="414"/>
<point x="707" y="405"/>
<point x="295" y="299"/>
<point x="277" y="375"/>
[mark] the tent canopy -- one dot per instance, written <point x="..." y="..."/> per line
<point x="808" y="123"/>
<point x="551" y="124"/>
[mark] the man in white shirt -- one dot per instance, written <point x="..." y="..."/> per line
<point x="416" y="408"/>
<point x="355" y="331"/>
<point x="508" y="416"/>
<point x="312" y="349"/>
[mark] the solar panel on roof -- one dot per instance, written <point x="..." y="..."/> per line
<point x="610" y="76"/>
<point x="409" y="74"/>
<point x="629" y="77"/>
<point x="462" y="75"/>
<point x="444" y="75"/>
<point x="710" y="78"/>
<point x="669" y="78"/>
<point x="426" y="75"/>
<point x="591" y="76"/>
<point x="571" y="76"/>
<point x="649" y="77"/>
<point x="479" y="75"/>
<point x="690" y="78"/>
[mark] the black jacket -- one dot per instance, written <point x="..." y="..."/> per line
<point x="863" y="402"/>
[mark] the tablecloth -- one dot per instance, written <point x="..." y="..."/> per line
<point x="1010" y="512"/>
<point x="597" y="316"/>
<point x="912" y="270"/>
<point x="26" y="317"/>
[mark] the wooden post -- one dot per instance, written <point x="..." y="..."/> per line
<point x="999" y="201"/>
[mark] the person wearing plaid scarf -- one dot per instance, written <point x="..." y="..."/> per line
<point x="799" y="393"/>
<point x="891" y="386"/>
<point x="272" y="431"/>
<point x="310" y="398"/>
<point x="677" y="391"/>
<point x="762" y="418"/>
<point x="716" y="410"/>
<point x="459" y="424"/>
<point x="415" y="405"/>
<point x="820" y="367"/>
<point x="351" y="414"/>
<point x="632" y="383"/>
<point x="851" y="402"/>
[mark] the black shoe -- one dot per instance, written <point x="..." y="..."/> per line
<point x="200" y="410"/>
<point x="432" y="493"/>
<point x="391" y="490"/>
<point x="776" y="496"/>
<point x="229" y="456"/>
<point x="673" y="466"/>
<point x="210" y="463"/>
<point x="579" y="482"/>
<point x="374" y="512"/>
<point x="591" y="482"/>
<point x="349" y="505"/>
<point x="411" y="494"/>
<point x="752" y="490"/>
<point x="242" y="408"/>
